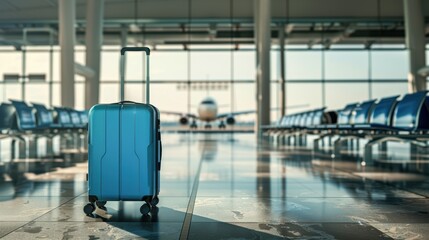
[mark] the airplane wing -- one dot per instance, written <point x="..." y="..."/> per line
<point x="189" y="115"/>
<point x="224" y="115"/>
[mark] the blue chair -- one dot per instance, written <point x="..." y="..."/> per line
<point x="325" y="125"/>
<point x="7" y="116"/>
<point x="360" y="115"/>
<point x="292" y="120"/>
<point x="303" y="119"/>
<point x="44" y="118"/>
<point x="75" y="118"/>
<point x="412" y="113"/>
<point x="287" y="121"/>
<point x="25" y="119"/>
<point x="84" y="117"/>
<point x="409" y="122"/>
<point x="309" y="119"/>
<point x="27" y="132"/>
<point x="47" y="127"/>
<point x="343" y="117"/>
<point x="62" y="118"/>
<point x="281" y="120"/>
<point x="381" y="115"/>
<point x="317" y="118"/>
<point x="330" y="117"/>
<point x="296" y="120"/>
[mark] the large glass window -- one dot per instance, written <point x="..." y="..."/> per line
<point x="79" y="96"/>
<point x="38" y="55"/>
<point x="303" y="65"/>
<point x="109" y="92"/>
<point x="303" y="96"/>
<point x="37" y="92"/>
<point x="109" y="66"/>
<point x="275" y="101"/>
<point x="349" y="76"/>
<point x="10" y="63"/>
<point x="12" y="91"/>
<point x="346" y="65"/>
<point x="165" y="67"/>
<point x="134" y="70"/>
<point x="380" y="90"/>
<point x="56" y="94"/>
<point x="245" y="97"/>
<point x="206" y="65"/>
<point x="340" y="94"/>
<point x="275" y="65"/>
<point x="134" y="92"/>
<point x="176" y="100"/>
<point x="56" y="66"/>
<point x="388" y="65"/>
<point x="244" y="65"/>
<point x="222" y="98"/>
<point x="79" y="57"/>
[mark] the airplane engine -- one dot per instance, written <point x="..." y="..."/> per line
<point x="184" y="120"/>
<point x="230" y="120"/>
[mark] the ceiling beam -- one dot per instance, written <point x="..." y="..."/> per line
<point x="13" y="6"/>
<point x="289" y="28"/>
<point x="328" y="39"/>
<point x="345" y="34"/>
<point x="247" y="20"/>
<point x="51" y="3"/>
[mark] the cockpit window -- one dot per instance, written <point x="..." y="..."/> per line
<point x="208" y="102"/>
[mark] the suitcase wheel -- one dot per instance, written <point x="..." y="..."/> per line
<point x="100" y="204"/>
<point x="89" y="208"/>
<point x="154" y="201"/>
<point x="145" y="209"/>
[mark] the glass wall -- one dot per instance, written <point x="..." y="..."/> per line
<point x="181" y="79"/>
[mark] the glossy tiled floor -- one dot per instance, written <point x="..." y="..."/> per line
<point x="223" y="186"/>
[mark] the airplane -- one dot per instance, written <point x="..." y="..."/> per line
<point x="208" y="112"/>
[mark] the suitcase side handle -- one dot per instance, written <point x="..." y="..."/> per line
<point x="126" y="102"/>
<point x="122" y="70"/>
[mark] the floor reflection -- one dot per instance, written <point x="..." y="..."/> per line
<point x="236" y="189"/>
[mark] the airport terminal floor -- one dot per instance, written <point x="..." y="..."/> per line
<point x="225" y="186"/>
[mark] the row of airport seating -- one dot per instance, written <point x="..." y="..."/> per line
<point x="27" y="123"/>
<point x="18" y="117"/>
<point x="392" y="118"/>
<point x="308" y="119"/>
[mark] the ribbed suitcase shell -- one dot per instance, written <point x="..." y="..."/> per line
<point x="124" y="151"/>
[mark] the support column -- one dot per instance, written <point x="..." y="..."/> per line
<point x="94" y="41"/>
<point x="256" y="40"/>
<point x="263" y="70"/>
<point x="67" y="13"/>
<point x="415" y="42"/>
<point x="282" y="71"/>
<point x="124" y="36"/>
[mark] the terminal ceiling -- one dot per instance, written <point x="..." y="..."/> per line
<point x="201" y="22"/>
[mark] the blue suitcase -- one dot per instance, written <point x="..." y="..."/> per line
<point x="124" y="150"/>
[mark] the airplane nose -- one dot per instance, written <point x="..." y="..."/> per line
<point x="207" y="112"/>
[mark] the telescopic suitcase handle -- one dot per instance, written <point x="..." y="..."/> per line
<point x="122" y="69"/>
